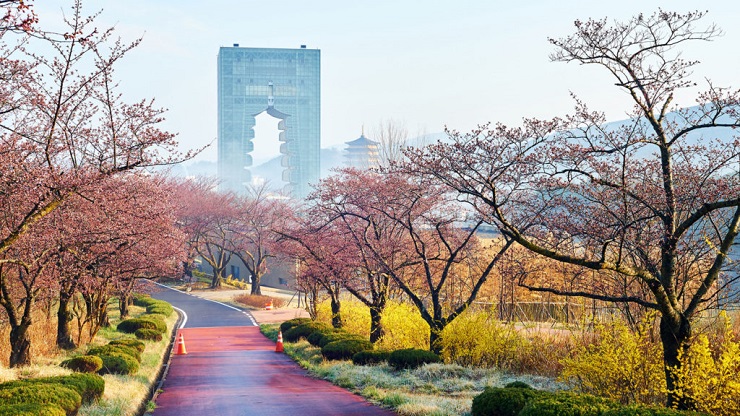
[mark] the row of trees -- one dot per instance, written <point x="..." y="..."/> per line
<point x="650" y="206"/>
<point x="80" y="221"/>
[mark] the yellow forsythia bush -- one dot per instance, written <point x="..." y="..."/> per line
<point x="711" y="380"/>
<point x="619" y="364"/>
<point x="403" y="325"/>
<point x="477" y="339"/>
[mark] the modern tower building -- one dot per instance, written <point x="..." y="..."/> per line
<point x="286" y="84"/>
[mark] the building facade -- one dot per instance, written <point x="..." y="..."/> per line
<point x="285" y="83"/>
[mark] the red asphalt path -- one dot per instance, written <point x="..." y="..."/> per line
<point x="236" y="371"/>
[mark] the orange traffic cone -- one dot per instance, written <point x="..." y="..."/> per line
<point x="181" y="346"/>
<point x="279" y="345"/>
<point x="268" y="306"/>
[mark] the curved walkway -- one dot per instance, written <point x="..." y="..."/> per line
<point x="232" y="369"/>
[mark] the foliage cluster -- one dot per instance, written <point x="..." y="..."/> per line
<point x="48" y="394"/>
<point x="519" y="401"/>
<point x="147" y="334"/>
<point x="619" y="363"/>
<point x="290" y="323"/>
<point x="304" y="330"/>
<point x="345" y="349"/>
<point x="149" y="322"/>
<point x="370" y="357"/>
<point x="239" y="284"/>
<point x="411" y="358"/>
<point x="83" y="364"/>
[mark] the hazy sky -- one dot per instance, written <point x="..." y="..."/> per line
<point x="427" y="64"/>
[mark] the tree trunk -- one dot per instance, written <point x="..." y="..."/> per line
<point x="216" y="281"/>
<point x="64" y="320"/>
<point x="434" y="336"/>
<point x="256" y="284"/>
<point x="20" y="345"/>
<point x="674" y="335"/>
<point x="124" y="301"/>
<point x="376" y="327"/>
<point x="336" y="316"/>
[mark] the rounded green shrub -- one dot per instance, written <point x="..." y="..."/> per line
<point x="315" y="337"/>
<point x="496" y="401"/>
<point x="304" y="330"/>
<point x="117" y="363"/>
<point x="566" y="404"/>
<point x="40" y="393"/>
<point x="518" y="385"/>
<point x="89" y="386"/>
<point x="290" y="323"/>
<point x="370" y="357"/>
<point x="131" y="325"/>
<point x="83" y="364"/>
<point x="32" y="409"/>
<point x="344" y="349"/>
<point x="160" y="307"/>
<point x="337" y="336"/>
<point x="143" y="300"/>
<point x="115" y="349"/>
<point x="411" y="358"/>
<point x="148" y="334"/>
<point x="129" y="342"/>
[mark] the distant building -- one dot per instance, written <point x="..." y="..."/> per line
<point x="285" y="83"/>
<point x="362" y="153"/>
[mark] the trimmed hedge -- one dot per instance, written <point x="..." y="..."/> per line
<point x="148" y="334"/>
<point x="118" y="363"/>
<point x="131" y="325"/>
<point x="315" y="337"/>
<point x="115" y="349"/>
<point x="90" y="387"/>
<point x="143" y="300"/>
<point x="565" y="403"/>
<point x="161" y="308"/>
<point x="411" y="358"/>
<point x="290" y="323"/>
<point x="129" y="342"/>
<point x="518" y="384"/>
<point x="304" y="330"/>
<point x="496" y="401"/>
<point x="370" y="357"/>
<point x="32" y="409"/>
<point x="344" y="349"/>
<point x="83" y="364"/>
<point x="56" y="394"/>
<point x="337" y="336"/>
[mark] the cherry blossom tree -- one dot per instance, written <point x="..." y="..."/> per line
<point x="254" y="232"/>
<point x="415" y="233"/>
<point x="653" y="202"/>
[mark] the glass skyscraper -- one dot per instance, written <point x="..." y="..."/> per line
<point x="287" y="84"/>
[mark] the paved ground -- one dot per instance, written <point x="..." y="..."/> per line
<point x="232" y="369"/>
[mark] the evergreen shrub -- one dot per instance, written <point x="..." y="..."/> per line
<point x="411" y="358"/>
<point x="83" y="364"/>
<point x="370" y="357"/>
<point x="344" y="349"/>
<point x="148" y="334"/>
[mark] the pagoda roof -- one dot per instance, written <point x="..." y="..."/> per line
<point x="362" y="141"/>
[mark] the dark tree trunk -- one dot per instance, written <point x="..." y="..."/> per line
<point x="256" y="284"/>
<point x="674" y="334"/>
<point x="124" y="301"/>
<point x="64" y="320"/>
<point x="376" y="327"/>
<point x="20" y="345"/>
<point x="336" y="316"/>
<point x="104" y="319"/>
<point x="216" y="281"/>
<point x="434" y="337"/>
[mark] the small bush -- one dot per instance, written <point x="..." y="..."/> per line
<point x="115" y="349"/>
<point x="161" y="308"/>
<point x="337" y="335"/>
<point x="32" y="409"/>
<point x="84" y="364"/>
<point x="316" y="337"/>
<point x="303" y="331"/>
<point x="344" y="349"/>
<point x="31" y="393"/>
<point x="148" y="334"/>
<point x="496" y="401"/>
<point x="518" y="385"/>
<point x="129" y="342"/>
<point x="290" y="323"/>
<point x="117" y="363"/>
<point x="566" y="404"/>
<point x="131" y="325"/>
<point x="143" y="300"/>
<point x="370" y="357"/>
<point x="411" y="358"/>
<point x="89" y="386"/>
